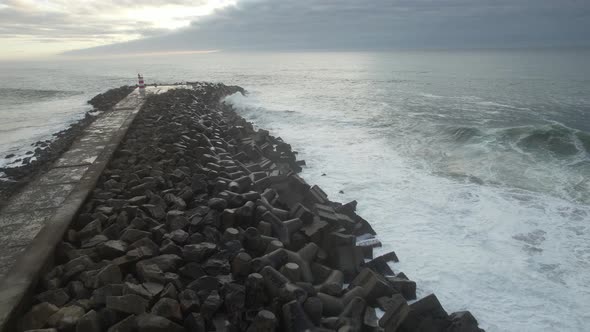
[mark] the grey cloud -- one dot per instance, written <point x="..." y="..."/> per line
<point x="377" y="24"/>
<point x="77" y="20"/>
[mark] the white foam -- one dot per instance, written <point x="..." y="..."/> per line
<point x="459" y="240"/>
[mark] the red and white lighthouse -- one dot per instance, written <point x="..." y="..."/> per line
<point x="141" y="85"/>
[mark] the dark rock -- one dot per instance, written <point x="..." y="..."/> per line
<point x="158" y="233"/>
<point x="176" y="220"/>
<point x="406" y="287"/>
<point x="303" y="213"/>
<point x="77" y="290"/>
<point x="463" y="321"/>
<point x="265" y="321"/>
<point x="215" y="267"/>
<point x="110" y="274"/>
<point x="128" y="324"/>
<point x="150" y="273"/>
<point x="196" y="238"/>
<point x="167" y="308"/>
<point x="211" y="304"/>
<point x="137" y="289"/>
<point x="66" y="318"/>
<point x="179" y="236"/>
<point x="192" y="271"/>
<point x="354" y="312"/>
<point x="155" y="211"/>
<point x="170" y="291"/>
<point x="396" y="310"/>
<point x="314" y="309"/>
<point x="38" y="316"/>
<point x="154" y="323"/>
<point x="166" y="263"/>
<point x="205" y="284"/>
<point x="375" y="285"/>
<point x="348" y="260"/>
<point x="235" y="297"/>
<point x="291" y="271"/>
<point x="99" y="296"/>
<point x="198" y="252"/>
<point x="145" y="242"/>
<point x="137" y="200"/>
<point x="112" y="232"/>
<point x="240" y="265"/>
<point x="154" y="288"/>
<point x="58" y="297"/>
<point x="194" y="322"/>
<point x="94" y="241"/>
<point x="333" y="282"/>
<point x="333" y="306"/>
<point x="138" y="254"/>
<point x="132" y="235"/>
<point x="221" y="323"/>
<point x="294" y="318"/>
<point x="90" y="230"/>
<point x="230" y="234"/>
<point x="255" y="293"/>
<point x="90" y="322"/>
<point x="370" y="320"/>
<point x="130" y="304"/>
<point x="189" y="301"/>
<point x="218" y="204"/>
<point x="169" y="247"/>
<point x="111" y="249"/>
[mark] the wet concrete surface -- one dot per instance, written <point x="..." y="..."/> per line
<point x="28" y="211"/>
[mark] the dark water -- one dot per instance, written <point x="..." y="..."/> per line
<point x="474" y="166"/>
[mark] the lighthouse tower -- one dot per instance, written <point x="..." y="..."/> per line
<point x="141" y="85"/>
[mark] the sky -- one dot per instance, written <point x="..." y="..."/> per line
<point x="32" y="28"/>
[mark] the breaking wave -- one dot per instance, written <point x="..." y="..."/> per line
<point x="556" y="139"/>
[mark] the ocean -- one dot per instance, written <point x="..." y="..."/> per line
<point x="474" y="166"/>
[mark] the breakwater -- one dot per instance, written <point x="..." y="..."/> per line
<point x="44" y="153"/>
<point x="200" y="222"/>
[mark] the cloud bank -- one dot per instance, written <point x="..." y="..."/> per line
<point x="41" y="25"/>
<point x="339" y="25"/>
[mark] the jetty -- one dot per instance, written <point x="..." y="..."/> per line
<point x="170" y="212"/>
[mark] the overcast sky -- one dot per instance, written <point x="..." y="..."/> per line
<point x="41" y="27"/>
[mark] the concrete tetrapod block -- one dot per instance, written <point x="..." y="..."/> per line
<point x="333" y="305"/>
<point x="396" y="310"/>
<point x="375" y="285"/>
<point x="426" y="314"/>
<point x="332" y="284"/>
<point x="278" y="285"/>
<point x="295" y="319"/>
<point x="265" y="321"/>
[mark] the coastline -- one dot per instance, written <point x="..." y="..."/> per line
<point x="212" y="228"/>
<point x="43" y="153"/>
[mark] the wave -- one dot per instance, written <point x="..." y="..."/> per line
<point x="584" y="140"/>
<point x="464" y="134"/>
<point x="15" y="95"/>
<point x="556" y="139"/>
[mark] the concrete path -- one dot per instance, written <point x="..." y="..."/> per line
<point x="33" y="207"/>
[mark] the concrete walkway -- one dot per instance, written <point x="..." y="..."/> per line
<point x="33" y="207"/>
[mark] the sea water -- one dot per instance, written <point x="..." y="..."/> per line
<point x="474" y="166"/>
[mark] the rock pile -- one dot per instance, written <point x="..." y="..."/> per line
<point x="200" y="223"/>
<point x="105" y="101"/>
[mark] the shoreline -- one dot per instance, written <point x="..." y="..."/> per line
<point x="211" y="228"/>
<point x="44" y="153"/>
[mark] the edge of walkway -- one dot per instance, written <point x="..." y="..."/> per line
<point x="18" y="284"/>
